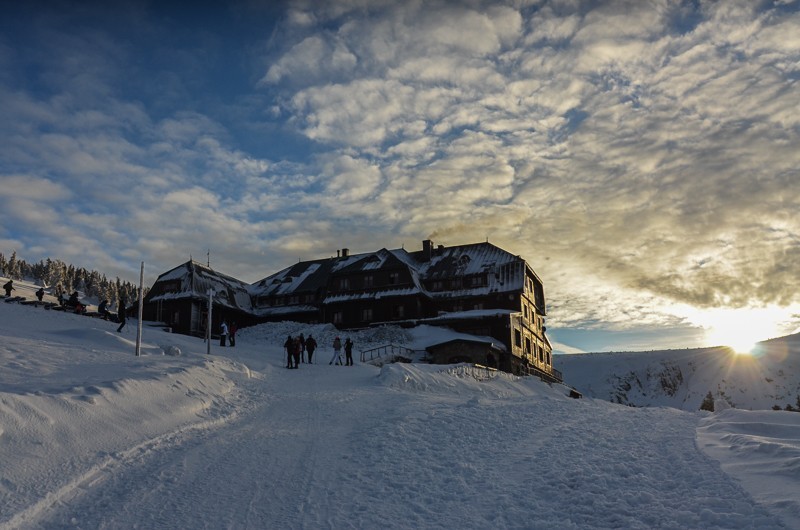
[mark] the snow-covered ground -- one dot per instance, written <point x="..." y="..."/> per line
<point x="93" y="437"/>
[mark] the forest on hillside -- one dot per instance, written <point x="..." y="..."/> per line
<point x="51" y="273"/>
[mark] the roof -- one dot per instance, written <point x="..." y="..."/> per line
<point x="504" y="271"/>
<point x="194" y="280"/>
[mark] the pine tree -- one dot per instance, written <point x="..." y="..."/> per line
<point x="13" y="267"/>
<point x="708" y="402"/>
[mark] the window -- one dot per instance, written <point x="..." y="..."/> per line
<point x="525" y="308"/>
<point x="368" y="281"/>
<point x="366" y="315"/>
<point x="399" y="311"/>
<point x="517" y="338"/>
<point x="344" y="283"/>
<point x="394" y="278"/>
<point x="438" y="285"/>
<point x="527" y="345"/>
<point x="476" y="281"/>
<point x="294" y="300"/>
<point x="478" y="306"/>
<point x="337" y="317"/>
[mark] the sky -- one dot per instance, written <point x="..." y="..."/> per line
<point x="642" y="157"/>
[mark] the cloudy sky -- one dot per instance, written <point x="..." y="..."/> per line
<point x="644" y="157"/>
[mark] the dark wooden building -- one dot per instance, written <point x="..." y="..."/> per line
<point x="479" y="289"/>
<point x="179" y="299"/>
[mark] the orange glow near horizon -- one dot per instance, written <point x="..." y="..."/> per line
<point x="741" y="329"/>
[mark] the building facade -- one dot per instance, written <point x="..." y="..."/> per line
<point x="479" y="289"/>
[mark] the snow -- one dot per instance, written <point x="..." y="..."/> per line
<point x="93" y="437"/>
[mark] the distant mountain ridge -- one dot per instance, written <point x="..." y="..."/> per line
<point x="767" y="379"/>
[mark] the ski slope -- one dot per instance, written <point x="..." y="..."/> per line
<point x="93" y="437"/>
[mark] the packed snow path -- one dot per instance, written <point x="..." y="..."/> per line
<point x="332" y="447"/>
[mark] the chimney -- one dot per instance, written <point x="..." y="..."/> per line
<point x="427" y="250"/>
<point x="338" y="252"/>
<point x="345" y="252"/>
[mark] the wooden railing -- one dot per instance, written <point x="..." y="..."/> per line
<point x="387" y="353"/>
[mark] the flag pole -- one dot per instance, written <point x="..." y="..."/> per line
<point x="141" y="310"/>
<point x="208" y="324"/>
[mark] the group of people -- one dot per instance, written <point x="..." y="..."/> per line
<point x="296" y="349"/>
<point x="74" y="302"/>
<point x="337" y="352"/>
<point x="227" y="333"/>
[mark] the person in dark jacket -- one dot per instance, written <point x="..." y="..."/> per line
<point x="40" y="293"/>
<point x="311" y="345"/>
<point x="296" y="352"/>
<point x="121" y="316"/>
<point x="73" y="301"/>
<point x="232" y="334"/>
<point x="9" y="286"/>
<point x="103" y="309"/>
<point x="348" y="352"/>
<point x="288" y="345"/>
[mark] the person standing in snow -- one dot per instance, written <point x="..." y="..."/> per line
<point x="40" y="293"/>
<point x="288" y="346"/>
<point x="337" y="351"/>
<point x="348" y="352"/>
<point x="9" y="286"/>
<point x="103" y="309"/>
<point x="223" y="333"/>
<point x="296" y="351"/>
<point x="121" y="316"/>
<point x="232" y="336"/>
<point x="311" y="345"/>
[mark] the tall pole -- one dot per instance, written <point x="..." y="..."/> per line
<point x="141" y="310"/>
<point x="208" y="324"/>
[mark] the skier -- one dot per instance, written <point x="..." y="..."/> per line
<point x="337" y="351"/>
<point x="348" y="351"/>
<point x="311" y="345"/>
<point x="9" y="286"/>
<point x="288" y="346"/>
<point x="40" y="293"/>
<point x="296" y="352"/>
<point x="223" y="333"/>
<point x="121" y="316"/>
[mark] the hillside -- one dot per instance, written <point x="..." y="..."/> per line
<point x="682" y="378"/>
<point x="92" y="436"/>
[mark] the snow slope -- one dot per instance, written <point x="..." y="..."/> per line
<point x="93" y="437"/>
<point x="682" y="378"/>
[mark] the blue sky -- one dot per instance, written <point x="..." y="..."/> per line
<point x="643" y="157"/>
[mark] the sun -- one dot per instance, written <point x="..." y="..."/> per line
<point x="739" y="329"/>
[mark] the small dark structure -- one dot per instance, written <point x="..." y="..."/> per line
<point x="486" y="353"/>
<point x="179" y="299"/>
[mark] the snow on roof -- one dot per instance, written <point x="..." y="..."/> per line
<point x="371" y="295"/>
<point x="195" y="282"/>
<point x="285" y="310"/>
<point x="472" y="314"/>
